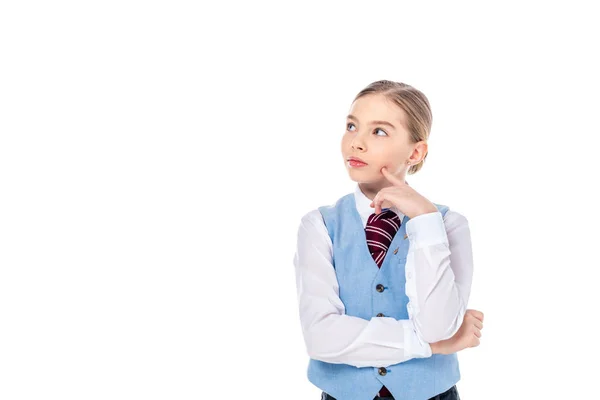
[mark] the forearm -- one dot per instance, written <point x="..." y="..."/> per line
<point x="379" y="342"/>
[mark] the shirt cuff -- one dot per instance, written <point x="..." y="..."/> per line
<point x="427" y="230"/>
<point x="415" y="347"/>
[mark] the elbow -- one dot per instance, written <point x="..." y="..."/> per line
<point x="321" y="343"/>
<point x="315" y="340"/>
<point x="315" y="355"/>
<point x="314" y="348"/>
<point x="311" y="348"/>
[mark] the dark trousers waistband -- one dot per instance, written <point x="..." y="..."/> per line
<point x="450" y="394"/>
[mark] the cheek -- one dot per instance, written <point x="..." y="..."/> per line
<point x="345" y="141"/>
<point x="344" y="149"/>
<point x="386" y="157"/>
<point x="393" y="156"/>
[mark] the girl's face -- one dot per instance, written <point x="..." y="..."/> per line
<point x="376" y="134"/>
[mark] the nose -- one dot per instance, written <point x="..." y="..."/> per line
<point x="357" y="143"/>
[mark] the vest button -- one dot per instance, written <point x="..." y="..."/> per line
<point x="382" y="371"/>
<point x="380" y="288"/>
<point x="380" y="315"/>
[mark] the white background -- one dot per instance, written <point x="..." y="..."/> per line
<point x="156" y="159"/>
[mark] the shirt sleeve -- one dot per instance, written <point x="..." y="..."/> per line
<point x="329" y="334"/>
<point x="439" y="272"/>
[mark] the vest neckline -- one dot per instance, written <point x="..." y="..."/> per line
<point x="363" y="237"/>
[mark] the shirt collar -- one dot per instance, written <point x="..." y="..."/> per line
<point x="365" y="210"/>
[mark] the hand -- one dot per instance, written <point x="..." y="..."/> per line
<point x="403" y="197"/>
<point x="467" y="335"/>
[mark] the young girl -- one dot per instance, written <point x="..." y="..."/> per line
<point x="382" y="324"/>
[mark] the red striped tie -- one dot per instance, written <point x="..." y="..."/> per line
<point x="380" y="231"/>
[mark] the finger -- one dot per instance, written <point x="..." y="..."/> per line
<point x="476" y="314"/>
<point x="478" y="323"/>
<point x="390" y="177"/>
<point x="377" y="201"/>
<point x="378" y="205"/>
<point x="477" y="332"/>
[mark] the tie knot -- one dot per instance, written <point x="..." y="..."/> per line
<point x="385" y="214"/>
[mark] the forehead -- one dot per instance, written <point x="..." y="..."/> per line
<point x="376" y="107"/>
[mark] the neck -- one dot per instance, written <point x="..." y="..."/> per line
<point x="371" y="189"/>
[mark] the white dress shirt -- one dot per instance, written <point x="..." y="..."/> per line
<point x="439" y="270"/>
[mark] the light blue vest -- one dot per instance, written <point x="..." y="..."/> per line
<point x="358" y="275"/>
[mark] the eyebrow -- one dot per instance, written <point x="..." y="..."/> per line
<point x="350" y="116"/>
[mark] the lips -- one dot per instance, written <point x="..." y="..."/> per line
<point x="356" y="159"/>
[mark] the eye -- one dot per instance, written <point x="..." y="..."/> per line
<point x="347" y="125"/>
<point x="379" y="129"/>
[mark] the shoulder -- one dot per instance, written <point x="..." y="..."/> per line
<point x="313" y="217"/>
<point x="321" y="219"/>
<point x="454" y="220"/>
<point x="328" y="212"/>
<point x="450" y="215"/>
<point x="312" y="231"/>
<point x="312" y="224"/>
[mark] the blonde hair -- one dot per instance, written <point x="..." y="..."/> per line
<point x="415" y="105"/>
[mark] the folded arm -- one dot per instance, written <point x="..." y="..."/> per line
<point x="329" y="334"/>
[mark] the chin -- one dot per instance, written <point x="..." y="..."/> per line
<point x="363" y="176"/>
